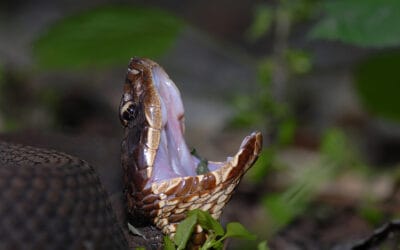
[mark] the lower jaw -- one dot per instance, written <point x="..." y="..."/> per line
<point x="166" y="202"/>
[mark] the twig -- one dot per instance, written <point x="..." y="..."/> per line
<point x="280" y="45"/>
<point x="378" y="236"/>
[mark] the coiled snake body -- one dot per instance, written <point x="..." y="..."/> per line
<point x="50" y="200"/>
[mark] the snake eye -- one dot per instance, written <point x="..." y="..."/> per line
<point x="127" y="113"/>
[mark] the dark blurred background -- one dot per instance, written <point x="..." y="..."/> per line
<point x="320" y="79"/>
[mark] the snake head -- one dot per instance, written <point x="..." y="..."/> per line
<point x="162" y="179"/>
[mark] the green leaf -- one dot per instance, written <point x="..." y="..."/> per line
<point x="206" y="221"/>
<point x="368" y="23"/>
<point x="106" y="36"/>
<point x="378" y="84"/>
<point x="262" y="21"/>
<point x="168" y="244"/>
<point x="185" y="230"/>
<point x="263" y="245"/>
<point x="237" y="230"/>
<point x="299" y="61"/>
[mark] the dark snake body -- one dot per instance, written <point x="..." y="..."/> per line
<point x="51" y="200"/>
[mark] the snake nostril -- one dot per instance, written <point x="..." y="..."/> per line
<point x="125" y="116"/>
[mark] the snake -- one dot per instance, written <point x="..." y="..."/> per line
<point x="52" y="200"/>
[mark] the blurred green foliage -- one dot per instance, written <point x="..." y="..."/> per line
<point x="261" y="109"/>
<point x="368" y="23"/>
<point x="377" y="80"/>
<point x="106" y="36"/>
<point x="93" y="39"/>
<point x="336" y="154"/>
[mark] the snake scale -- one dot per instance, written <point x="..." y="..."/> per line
<point x="51" y="200"/>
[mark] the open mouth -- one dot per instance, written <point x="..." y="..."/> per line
<point x="153" y="113"/>
<point x="173" y="159"/>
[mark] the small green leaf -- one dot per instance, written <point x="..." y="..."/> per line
<point x="237" y="230"/>
<point x="168" y="244"/>
<point x="185" y="230"/>
<point x="299" y="61"/>
<point x="262" y="245"/>
<point x="262" y="21"/>
<point x="207" y="222"/>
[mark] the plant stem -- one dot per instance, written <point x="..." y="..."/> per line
<point x="280" y="45"/>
